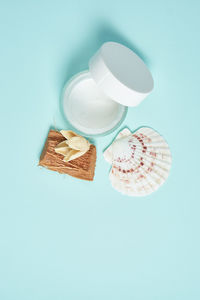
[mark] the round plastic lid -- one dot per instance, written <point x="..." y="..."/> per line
<point x="121" y="74"/>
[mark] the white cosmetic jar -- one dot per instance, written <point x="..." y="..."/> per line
<point x="95" y="101"/>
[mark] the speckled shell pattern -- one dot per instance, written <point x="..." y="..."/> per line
<point x="140" y="161"/>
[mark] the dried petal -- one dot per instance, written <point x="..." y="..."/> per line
<point x="72" y="154"/>
<point x="73" y="147"/>
<point x="68" y="134"/>
<point x="62" y="148"/>
<point x="78" y="143"/>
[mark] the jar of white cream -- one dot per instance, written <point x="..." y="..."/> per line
<point x="95" y="101"/>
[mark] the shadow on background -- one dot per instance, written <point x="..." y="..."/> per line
<point x="104" y="32"/>
<point x="99" y="34"/>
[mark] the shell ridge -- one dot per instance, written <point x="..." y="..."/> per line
<point x="141" y="162"/>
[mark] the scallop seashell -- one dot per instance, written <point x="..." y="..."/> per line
<point x="140" y="161"/>
<point x="108" y="152"/>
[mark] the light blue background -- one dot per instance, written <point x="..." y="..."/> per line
<point x="61" y="238"/>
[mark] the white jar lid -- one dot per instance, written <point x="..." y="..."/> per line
<point x="121" y="74"/>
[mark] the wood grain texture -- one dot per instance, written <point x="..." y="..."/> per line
<point x="82" y="167"/>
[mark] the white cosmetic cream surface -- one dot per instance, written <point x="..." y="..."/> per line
<point x="88" y="109"/>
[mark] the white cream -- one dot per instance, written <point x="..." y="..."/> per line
<point x="88" y="109"/>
